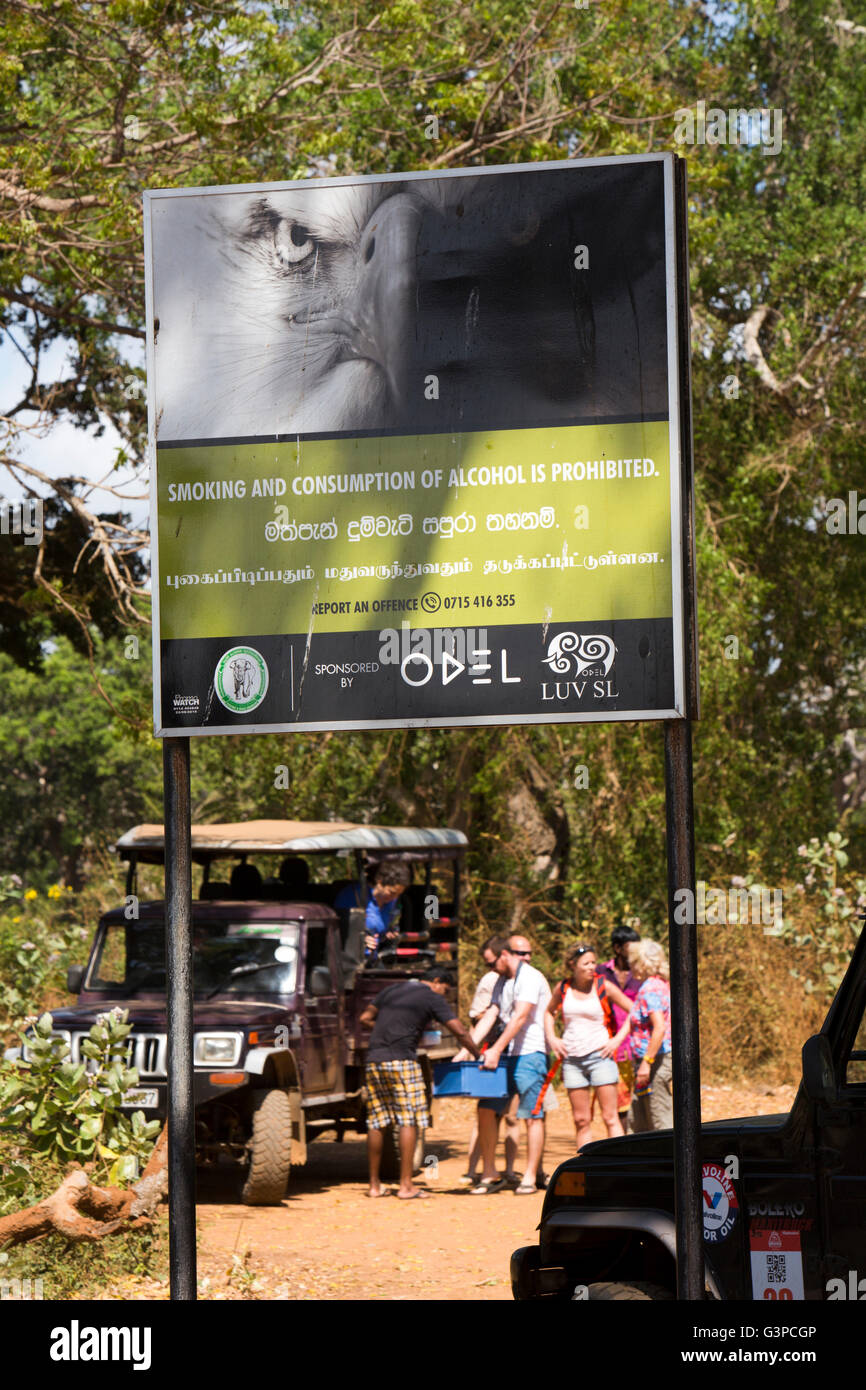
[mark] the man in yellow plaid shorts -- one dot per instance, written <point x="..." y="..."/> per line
<point x="394" y="1082"/>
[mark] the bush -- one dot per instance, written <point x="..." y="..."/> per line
<point x="108" y="1268"/>
<point x="828" y="906"/>
<point x="56" y="1115"/>
<point x="56" y="1110"/>
<point x="39" y="938"/>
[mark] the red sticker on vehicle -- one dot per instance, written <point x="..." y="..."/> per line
<point x="777" y="1265"/>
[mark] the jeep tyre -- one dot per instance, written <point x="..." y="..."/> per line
<point x="626" y="1293"/>
<point x="270" y="1150"/>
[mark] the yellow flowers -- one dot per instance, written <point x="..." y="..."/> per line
<point x="54" y="892"/>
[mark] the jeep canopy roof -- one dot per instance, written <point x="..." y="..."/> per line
<point x="146" y="843"/>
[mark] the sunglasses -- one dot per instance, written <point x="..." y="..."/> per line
<point x="519" y="953"/>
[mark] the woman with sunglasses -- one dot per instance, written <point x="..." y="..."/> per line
<point x="585" y="999"/>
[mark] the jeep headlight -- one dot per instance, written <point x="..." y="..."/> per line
<point x="217" y="1049"/>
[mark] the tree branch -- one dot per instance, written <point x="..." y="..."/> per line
<point x="24" y="198"/>
<point x="81" y="1212"/>
<point x="51" y="311"/>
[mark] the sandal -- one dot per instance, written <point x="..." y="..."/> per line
<point x="524" y="1189"/>
<point x="468" y="1180"/>
<point x="485" y="1187"/>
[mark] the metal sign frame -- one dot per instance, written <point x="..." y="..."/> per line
<point x="680" y="827"/>
<point x="678" y="498"/>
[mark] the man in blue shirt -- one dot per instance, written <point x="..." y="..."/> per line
<point x="380" y="898"/>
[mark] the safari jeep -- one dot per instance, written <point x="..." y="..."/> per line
<point x="783" y="1195"/>
<point x="280" y="982"/>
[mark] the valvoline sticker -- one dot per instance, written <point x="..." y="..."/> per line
<point x="720" y="1203"/>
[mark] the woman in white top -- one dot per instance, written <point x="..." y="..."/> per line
<point x="586" y="1045"/>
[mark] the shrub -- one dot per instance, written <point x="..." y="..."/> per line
<point x="38" y="940"/>
<point x="54" y="1109"/>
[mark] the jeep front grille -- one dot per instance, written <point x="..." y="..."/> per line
<point x="150" y="1053"/>
<point x="147" y="1052"/>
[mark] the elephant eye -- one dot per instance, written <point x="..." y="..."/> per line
<point x="292" y="243"/>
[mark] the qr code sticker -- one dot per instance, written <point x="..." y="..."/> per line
<point x="776" y="1273"/>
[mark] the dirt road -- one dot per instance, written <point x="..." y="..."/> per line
<point x="329" y="1241"/>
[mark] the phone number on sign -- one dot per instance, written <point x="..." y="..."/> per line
<point x="479" y="601"/>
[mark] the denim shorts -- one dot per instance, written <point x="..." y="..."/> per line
<point x="526" y="1076"/>
<point x="591" y="1070"/>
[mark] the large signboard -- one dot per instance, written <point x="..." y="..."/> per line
<point x="417" y="449"/>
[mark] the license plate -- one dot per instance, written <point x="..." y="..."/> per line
<point x="140" y="1100"/>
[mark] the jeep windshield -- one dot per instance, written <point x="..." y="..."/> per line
<point x="241" y="960"/>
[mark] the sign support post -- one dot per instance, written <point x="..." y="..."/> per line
<point x="178" y="954"/>
<point x="685" y="1043"/>
<point x="680" y="827"/>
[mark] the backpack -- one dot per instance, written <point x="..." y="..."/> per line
<point x="606" y="1006"/>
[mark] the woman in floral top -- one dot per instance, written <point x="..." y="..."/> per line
<point x="649" y="1024"/>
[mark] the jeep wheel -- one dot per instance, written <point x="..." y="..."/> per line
<point x="625" y="1293"/>
<point x="389" y="1168"/>
<point x="270" y="1150"/>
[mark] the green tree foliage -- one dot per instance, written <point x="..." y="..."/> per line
<point x="779" y="302"/>
<point x="567" y="822"/>
<point x="39" y="938"/>
<point x="74" y="767"/>
<point x="57" y="591"/>
<point x="107" y="99"/>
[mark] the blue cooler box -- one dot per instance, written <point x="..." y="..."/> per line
<point x="469" y="1079"/>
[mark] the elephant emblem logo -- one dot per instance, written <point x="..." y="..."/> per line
<point x="241" y="679"/>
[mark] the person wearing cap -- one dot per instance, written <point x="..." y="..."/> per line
<point x="394" y="1082"/>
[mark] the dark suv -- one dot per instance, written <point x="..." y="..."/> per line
<point x="783" y="1195"/>
<point x="280" y="982"/>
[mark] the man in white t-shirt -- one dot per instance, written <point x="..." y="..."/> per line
<point x="520" y="999"/>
